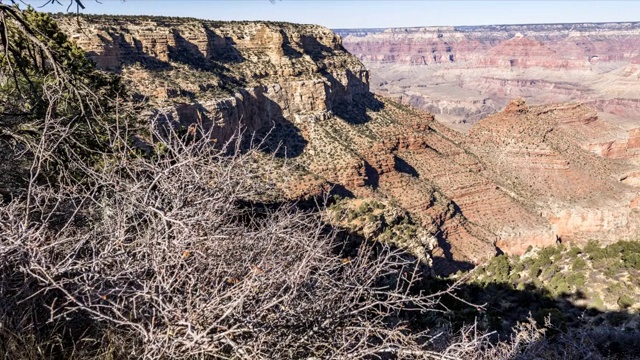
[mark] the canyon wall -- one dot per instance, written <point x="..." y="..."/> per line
<point x="523" y="177"/>
<point x="558" y="46"/>
<point x="254" y="73"/>
<point x="468" y="72"/>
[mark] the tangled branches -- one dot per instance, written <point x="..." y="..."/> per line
<point x="109" y="253"/>
<point x="55" y="107"/>
<point x="161" y="258"/>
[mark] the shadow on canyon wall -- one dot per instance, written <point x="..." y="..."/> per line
<point x="216" y="58"/>
<point x="349" y="97"/>
<point x="400" y="165"/>
<point x="358" y="100"/>
<point x="289" y="50"/>
<point x="258" y="118"/>
<point x="356" y="112"/>
<point x="279" y="136"/>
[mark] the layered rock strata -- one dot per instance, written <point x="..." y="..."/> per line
<point x="256" y="73"/>
<point x="468" y="72"/>
<point x="541" y="155"/>
<point x="520" y="178"/>
<point x="559" y="46"/>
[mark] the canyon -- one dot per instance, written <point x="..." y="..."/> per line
<point x="530" y="175"/>
<point x="465" y="73"/>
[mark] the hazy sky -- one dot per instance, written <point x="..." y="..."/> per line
<point x="374" y="13"/>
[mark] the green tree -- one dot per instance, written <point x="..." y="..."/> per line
<point x="499" y="267"/>
<point x="578" y="264"/>
<point x="50" y="94"/>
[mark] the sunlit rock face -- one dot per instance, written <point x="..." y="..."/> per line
<point x="253" y="73"/>
<point x="543" y="155"/>
<point x="523" y="176"/>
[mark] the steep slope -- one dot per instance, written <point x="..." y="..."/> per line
<point x="304" y="97"/>
<point x="307" y="101"/>
<point x="540" y="154"/>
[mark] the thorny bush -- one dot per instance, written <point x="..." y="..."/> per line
<point x="162" y="257"/>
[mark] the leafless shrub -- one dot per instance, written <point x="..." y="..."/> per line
<point x="162" y="257"/>
<point x="134" y="256"/>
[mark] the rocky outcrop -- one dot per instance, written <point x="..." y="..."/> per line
<point x="626" y="148"/>
<point x="538" y="154"/>
<point x="256" y="73"/>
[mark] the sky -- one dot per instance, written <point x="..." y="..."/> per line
<point x="372" y="13"/>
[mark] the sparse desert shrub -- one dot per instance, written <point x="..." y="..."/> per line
<point x="499" y="268"/>
<point x="534" y="271"/>
<point x="631" y="260"/>
<point x="574" y="251"/>
<point x="518" y="267"/>
<point x="553" y="316"/>
<point x="578" y="264"/>
<point x="558" y="285"/>
<point x="610" y="266"/>
<point x="625" y="301"/>
<point x="550" y="271"/>
<point x="576" y="279"/>
<point x="352" y="215"/>
<point x="365" y="208"/>
<point x="547" y="255"/>
<point x="594" y="250"/>
<point x="598" y="302"/>
<point x="617" y="289"/>
<point x="514" y="278"/>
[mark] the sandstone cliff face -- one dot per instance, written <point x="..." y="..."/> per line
<point x="467" y="73"/>
<point x="519" y="178"/>
<point x="256" y="74"/>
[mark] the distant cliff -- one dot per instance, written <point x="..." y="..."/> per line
<point x="547" y="45"/>
<point x="468" y="72"/>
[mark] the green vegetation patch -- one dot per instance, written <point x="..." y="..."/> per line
<point x="587" y="277"/>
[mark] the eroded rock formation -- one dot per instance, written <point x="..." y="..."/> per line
<point x="256" y="74"/>
<point x="541" y="154"/>
<point x="520" y="178"/>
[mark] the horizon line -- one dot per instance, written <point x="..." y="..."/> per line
<point x="504" y="24"/>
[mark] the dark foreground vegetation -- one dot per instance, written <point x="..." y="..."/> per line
<point x="110" y="252"/>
